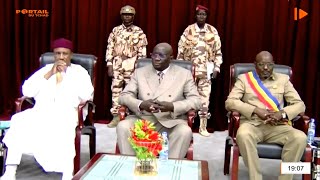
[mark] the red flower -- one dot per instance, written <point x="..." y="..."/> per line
<point x="145" y="140"/>
<point x="154" y="135"/>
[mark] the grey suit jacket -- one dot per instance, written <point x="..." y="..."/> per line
<point x="177" y="86"/>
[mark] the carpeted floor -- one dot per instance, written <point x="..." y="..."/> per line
<point x="205" y="148"/>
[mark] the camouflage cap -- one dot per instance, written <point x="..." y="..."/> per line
<point x="128" y="10"/>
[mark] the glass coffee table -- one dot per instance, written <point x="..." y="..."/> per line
<point x="120" y="167"/>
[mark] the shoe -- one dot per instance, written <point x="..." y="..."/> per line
<point x="114" y="122"/>
<point x="204" y="132"/>
<point x="10" y="173"/>
<point x="8" y="177"/>
<point x="66" y="176"/>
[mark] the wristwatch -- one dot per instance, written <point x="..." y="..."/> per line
<point x="284" y="115"/>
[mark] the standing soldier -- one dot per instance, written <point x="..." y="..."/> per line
<point x="126" y="44"/>
<point x="200" y="44"/>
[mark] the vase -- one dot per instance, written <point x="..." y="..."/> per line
<point x="146" y="167"/>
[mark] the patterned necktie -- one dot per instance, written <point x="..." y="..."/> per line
<point x="160" y="74"/>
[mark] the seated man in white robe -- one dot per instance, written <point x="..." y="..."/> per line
<point x="48" y="129"/>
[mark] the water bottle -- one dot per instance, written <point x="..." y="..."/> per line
<point x="311" y="131"/>
<point x="164" y="153"/>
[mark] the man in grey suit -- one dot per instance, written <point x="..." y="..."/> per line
<point x="162" y="93"/>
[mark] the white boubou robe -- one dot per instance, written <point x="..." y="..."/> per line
<point x="48" y="129"/>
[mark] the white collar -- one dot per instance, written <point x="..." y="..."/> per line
<point x="164" y="71"/>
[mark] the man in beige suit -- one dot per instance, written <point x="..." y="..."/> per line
<point x="258" y="123"/>
<point x="162" y="93"/>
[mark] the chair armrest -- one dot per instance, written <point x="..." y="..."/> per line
<point x="122" y="112"/>
<point x="301" y="122"/>
<point x="191" y="115"/>
<point x="20" y="102"/>
<point x="234" y="122"/>
<point x="91" y="108"/>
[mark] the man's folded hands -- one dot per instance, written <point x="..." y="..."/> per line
<point x="156" y="106"/>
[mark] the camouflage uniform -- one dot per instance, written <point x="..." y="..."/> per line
<point x="201" y="46"/>
<point x="125" y="46"/>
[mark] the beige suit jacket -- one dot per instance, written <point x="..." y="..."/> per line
<point x="244" y="100"/>
<point x="177" y="86"/>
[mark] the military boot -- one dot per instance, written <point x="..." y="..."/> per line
<point x="114" y="122"/>
<point x="203" y="127"/>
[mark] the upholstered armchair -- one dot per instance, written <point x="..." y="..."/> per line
<point x="265" y="150"/>
<point x="123" y="111"/>
<point x="85" y="126"/>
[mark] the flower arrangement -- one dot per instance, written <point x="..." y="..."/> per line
<point x="146" y="142"/>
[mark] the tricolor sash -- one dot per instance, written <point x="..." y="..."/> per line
<point x="264" y="95"/>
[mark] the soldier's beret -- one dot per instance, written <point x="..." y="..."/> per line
<point x="200" y="7"/>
